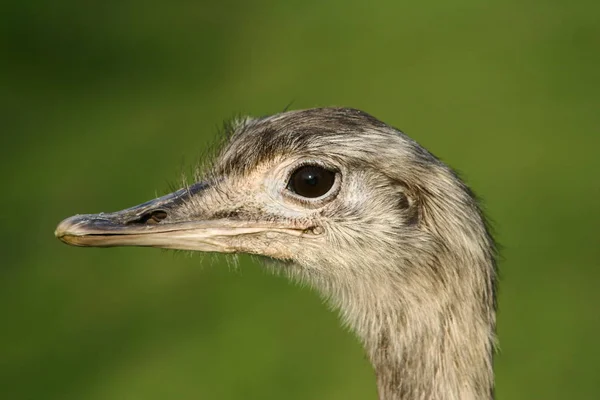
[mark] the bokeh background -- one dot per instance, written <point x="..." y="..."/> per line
<point x="104" y="103"/>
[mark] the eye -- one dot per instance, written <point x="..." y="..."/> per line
<point x="311" y="181"/>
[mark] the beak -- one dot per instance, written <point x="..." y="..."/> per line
<point x="149" y="225"/>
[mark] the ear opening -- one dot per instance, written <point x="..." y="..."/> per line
<point x="410" y="205"/>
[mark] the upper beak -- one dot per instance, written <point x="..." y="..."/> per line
<point x="141" y="225"/>
<point x="149" y="224"/>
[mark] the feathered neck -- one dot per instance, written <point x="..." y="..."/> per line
<point x="427" y="321"/>
<point x="439" y="347"/>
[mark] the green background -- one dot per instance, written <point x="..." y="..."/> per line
<point x="104" y="103"/>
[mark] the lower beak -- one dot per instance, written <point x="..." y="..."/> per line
<point x="100" y="230"/>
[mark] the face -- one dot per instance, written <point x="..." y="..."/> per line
<point x="317" y="205"/>
<point x="298" y="208"/>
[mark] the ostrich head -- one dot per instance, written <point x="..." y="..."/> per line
<point x="386" y="231"/>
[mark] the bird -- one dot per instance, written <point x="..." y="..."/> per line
<point x="389" y="234"/>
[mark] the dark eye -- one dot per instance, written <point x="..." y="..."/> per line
<point x="311" y="181"/>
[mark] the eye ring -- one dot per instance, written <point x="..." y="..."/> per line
<point x="312" y="181"/>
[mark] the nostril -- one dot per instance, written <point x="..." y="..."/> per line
<point x="152" y="218"/>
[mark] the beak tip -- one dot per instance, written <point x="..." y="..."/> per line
<point x="67" y="229"/>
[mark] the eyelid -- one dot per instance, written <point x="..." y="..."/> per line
<point x="318" y="201"/>
<point x="294" y="167"/>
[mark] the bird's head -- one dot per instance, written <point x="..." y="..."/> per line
<point x="335" y="191"/>
<point x="359" y="210"/>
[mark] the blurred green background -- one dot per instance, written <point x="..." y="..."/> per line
<point x="103" y="103"/>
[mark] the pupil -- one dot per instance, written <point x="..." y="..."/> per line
<point x="312" y="180"/>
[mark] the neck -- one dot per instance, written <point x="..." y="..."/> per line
<point x="438" y="347"/>
<point x="445" y="358"/>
